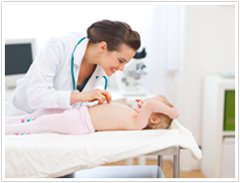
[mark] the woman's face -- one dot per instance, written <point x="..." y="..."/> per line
<point x="116" y="60"/>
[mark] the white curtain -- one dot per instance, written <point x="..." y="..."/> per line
<point x="174" y="36"/>
<point x="165" y="50"/>
<point x="174" y="54"/>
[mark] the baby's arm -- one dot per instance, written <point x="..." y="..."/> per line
<point x="156" y="107"/>
<point x="160" y="107"/>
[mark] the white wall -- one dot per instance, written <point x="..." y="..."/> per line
<point x="209" y="49"/>
<point x="43" y="20"/>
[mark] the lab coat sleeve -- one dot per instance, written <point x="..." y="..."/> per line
<point x="40" y="91"/>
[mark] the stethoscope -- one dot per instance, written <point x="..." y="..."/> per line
<point x="73" y="79"/>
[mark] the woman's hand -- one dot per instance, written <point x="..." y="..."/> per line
<point x="91" y="96"/>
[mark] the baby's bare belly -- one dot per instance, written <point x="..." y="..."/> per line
<point x="112" y="116"/>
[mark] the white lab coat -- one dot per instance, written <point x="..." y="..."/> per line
<point x="48" y="82"/>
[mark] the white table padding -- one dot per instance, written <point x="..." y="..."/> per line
<point x="55" y="155"/>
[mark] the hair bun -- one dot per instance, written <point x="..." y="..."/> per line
<point x="114" y="33"/>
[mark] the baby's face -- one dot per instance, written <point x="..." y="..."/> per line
<point x="140" y="102"/>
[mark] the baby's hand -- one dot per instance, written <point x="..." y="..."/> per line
<point x="173" y="114"/>
<point x="138" y="107"/>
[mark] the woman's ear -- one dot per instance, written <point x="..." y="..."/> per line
<point x="102" y="46"/>
<point x="154" y="119"/>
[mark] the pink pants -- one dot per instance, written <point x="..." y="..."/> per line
<point x="72" y="121"/>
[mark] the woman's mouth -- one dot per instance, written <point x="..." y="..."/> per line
<point x="113" y="70"/>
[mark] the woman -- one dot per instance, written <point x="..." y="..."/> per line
<point x="73" y="63"/>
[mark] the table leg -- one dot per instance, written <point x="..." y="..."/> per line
<point x="159" y="169"/>
<point x="176" y="164"/>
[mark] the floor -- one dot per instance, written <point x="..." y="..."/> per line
<point x="166" y="168"/>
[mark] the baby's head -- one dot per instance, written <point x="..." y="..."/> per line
<point x="158" y="120"/>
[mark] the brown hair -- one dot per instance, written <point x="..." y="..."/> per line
<point x="165" y="121"/>
<point x="114" y="33"/>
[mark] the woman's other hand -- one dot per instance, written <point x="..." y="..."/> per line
<point x="91" y="96"/>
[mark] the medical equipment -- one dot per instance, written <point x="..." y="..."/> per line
<point x="19" y="55"/>
<point x="72" y="71"/>
<point x="128" y="80"/>
<point x="56" y="155"/>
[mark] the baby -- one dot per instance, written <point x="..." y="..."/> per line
<point x="154" y="113"/>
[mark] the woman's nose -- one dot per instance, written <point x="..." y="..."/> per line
<point x="121" y="67"/>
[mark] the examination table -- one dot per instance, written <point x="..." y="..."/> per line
<point x="55" y="155"/>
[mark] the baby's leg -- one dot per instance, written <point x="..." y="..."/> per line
<point x="64" y="123"/>
<point x="31" y="117"/>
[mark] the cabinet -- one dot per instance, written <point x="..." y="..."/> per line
<point x="213" y="133"/>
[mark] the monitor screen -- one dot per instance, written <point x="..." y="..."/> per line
<point x="18" y="58"/>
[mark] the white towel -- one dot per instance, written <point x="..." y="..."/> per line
<point x="55" y="155"/>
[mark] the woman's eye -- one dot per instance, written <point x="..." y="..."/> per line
<point x="121" y="61"/>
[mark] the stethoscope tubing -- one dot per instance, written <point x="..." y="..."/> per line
<point x="72" y="71"/>
<point x="72" y="60"/>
